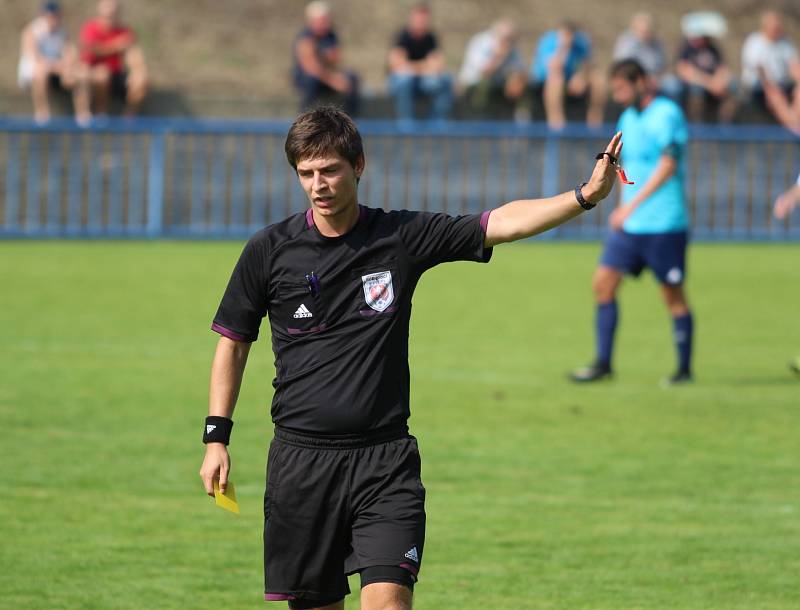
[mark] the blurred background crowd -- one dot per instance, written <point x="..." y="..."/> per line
<point x="513" y="64"/>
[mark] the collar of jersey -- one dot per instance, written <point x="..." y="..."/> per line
<point x="310" y="224"/>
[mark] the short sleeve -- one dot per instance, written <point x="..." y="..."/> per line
<point x="673" y="135"/>
<point x="401" y="40"/>
<point x="434" y="238"/>
<point x="245" y="301"/>
<point x="582" y="47"/>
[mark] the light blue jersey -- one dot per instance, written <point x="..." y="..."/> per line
<point x="657" y="130"/>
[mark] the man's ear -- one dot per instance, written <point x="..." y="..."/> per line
<point x="359" y="166"/>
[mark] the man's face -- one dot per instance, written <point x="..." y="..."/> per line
<point x="626" y="93"/>
<point x="53" y="20"/>
<point x="771" y="26"/>
<point x="108" y="12"/>
<point x="419" y="22"/>
<point x="330" y="183"/>
<point x="320" y="24"/>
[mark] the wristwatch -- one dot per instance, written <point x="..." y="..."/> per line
<point x="581" y="201"/>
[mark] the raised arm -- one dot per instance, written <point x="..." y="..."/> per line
<point x="527" y="217"/>
<point x="226" y="379"/>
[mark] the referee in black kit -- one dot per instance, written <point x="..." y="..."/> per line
<point x="343" y="490"/>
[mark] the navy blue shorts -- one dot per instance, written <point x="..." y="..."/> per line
<point x="663" y="253"/>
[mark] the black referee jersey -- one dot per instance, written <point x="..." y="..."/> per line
<point x="339" y="310"/>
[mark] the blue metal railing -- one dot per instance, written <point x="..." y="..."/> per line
<point x="227" y="178"/>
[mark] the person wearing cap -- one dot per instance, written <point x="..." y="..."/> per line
<point x="317" y="71"/>
<point x="493" y="71"/>
<point x="706" y="81"/>
<point x="49" y="61"/>
<point x="116" y="63"/>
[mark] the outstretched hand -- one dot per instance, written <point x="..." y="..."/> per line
<point x="605" y="171"/>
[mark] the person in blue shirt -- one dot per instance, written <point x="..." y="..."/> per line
<point x="650" y="226"/>
<point x="561" y="66"/>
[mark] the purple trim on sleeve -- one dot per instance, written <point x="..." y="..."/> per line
<point x="278" y="597"/>
<point x="225" y="332"/>
<point x="485" y="221"/>
<point x="410" y="567"/>
<point x="309" y="218"/>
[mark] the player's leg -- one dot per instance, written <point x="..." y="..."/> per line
<point x="388" y="504"/>
<point x="605" y="284"/>
<point x="683" y="329"/>
<point x="666" y="256"/>
<point x="306" y="524"/>
<point x="385" y="596"/>
<point x="621" y="255"/>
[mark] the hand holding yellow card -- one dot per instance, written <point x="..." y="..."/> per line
<point x="228" y="499"/>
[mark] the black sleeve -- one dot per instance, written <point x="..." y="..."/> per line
<point x="245" y="301"/>
<point x="433" y="43"/>
<point x="431" y="238"/>
<point x="401" y="40"/>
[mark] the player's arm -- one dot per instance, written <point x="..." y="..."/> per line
<point x="398" y="60"/>
<point x="786" y="202"/>
<point x="528" y="217"/>
<point x="667" y="164"/>
<point x="227" y="369"/>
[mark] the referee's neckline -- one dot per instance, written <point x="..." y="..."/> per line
<point x="310" y="224"/>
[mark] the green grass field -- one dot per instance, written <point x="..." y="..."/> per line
<point x="541" y="495"/>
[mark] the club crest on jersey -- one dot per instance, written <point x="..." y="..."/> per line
<point x="378" y="290"/>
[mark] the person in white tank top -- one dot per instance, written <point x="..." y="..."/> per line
<point x="47" y="58"/>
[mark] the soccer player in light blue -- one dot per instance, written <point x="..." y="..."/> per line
<point x="651" y="225"/>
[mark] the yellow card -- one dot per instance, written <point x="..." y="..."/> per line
<point x="228" y="499"/>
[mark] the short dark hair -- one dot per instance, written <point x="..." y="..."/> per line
<point x="321" y="131"/>
<point x="629" y="69"/>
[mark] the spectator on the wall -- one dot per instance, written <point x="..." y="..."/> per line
<point x="706" y="80"/>
<point x="493" y="70"/>
<point x="771" y="70"/>
<point x="49" y="61"/>
<point x="116" y="63"/>
<point x="639" y="42"/>
<point x="562" y="67"/>
<point x="416" y="68"/>
<point x="317" y="56"/>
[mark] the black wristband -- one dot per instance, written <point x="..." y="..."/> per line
<point x="581" y="201"/>
<point x="217" y="430"/>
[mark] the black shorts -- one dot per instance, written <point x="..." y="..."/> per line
<point x="663" y="253"/>
<point x="119" y="85"/>
<point x="335" y="507"/>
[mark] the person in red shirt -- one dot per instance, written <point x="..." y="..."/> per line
<point x="116" y="63"/>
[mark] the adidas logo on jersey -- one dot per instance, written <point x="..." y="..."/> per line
<point x="302" y="312"/>
<point x="412" y="555"/>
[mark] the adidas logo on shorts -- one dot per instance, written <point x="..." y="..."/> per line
<point x="412" y="555"/>
<point x="302" y="312"/>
